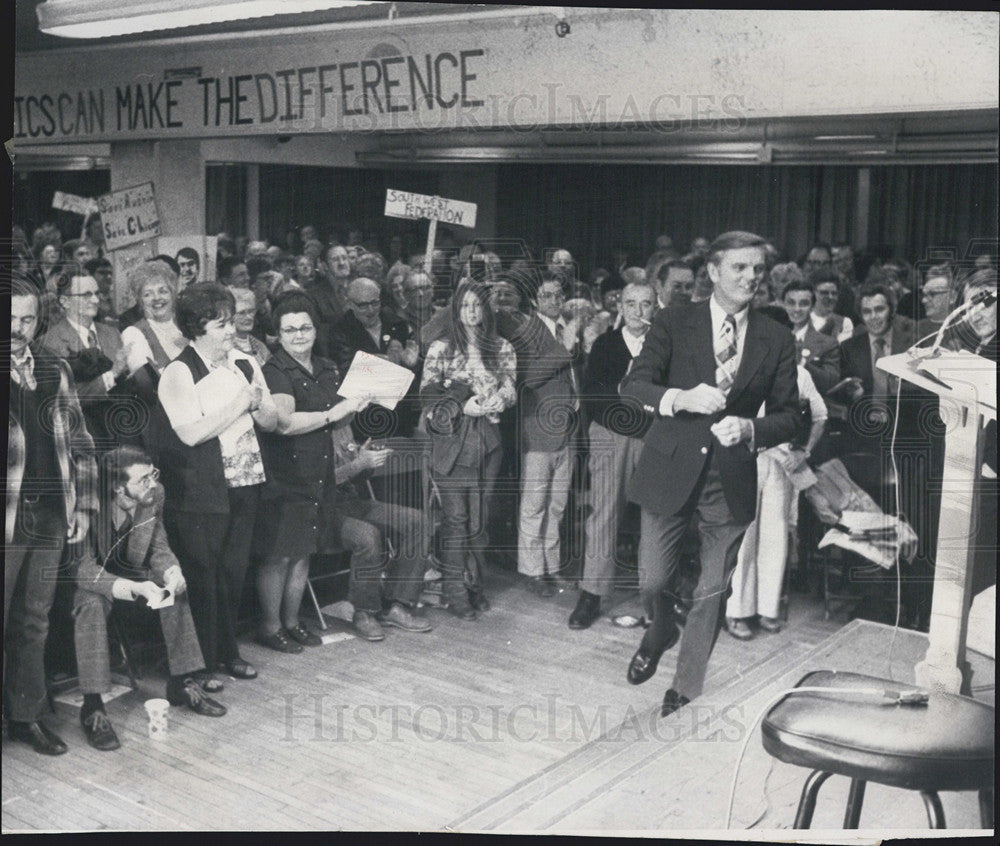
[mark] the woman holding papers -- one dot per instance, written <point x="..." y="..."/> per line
<point x="468" y="380"/>
<point x="299" y="459"/>
<point x="215" y="398"/>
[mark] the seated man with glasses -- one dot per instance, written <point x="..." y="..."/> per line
<point x="940" y="295"/>
<point x="367" y="326"/>
<point x="92" y="349"/>
<point x="134" y="564"/>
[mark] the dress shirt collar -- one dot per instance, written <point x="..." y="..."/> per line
<point x="633" y="342"/>
<point x="26" y="361"/>
<point x="81" y="331"/>
<point x="549" y="323"/>
<point x="719" y="316"/>
<point x="801" y="332"/>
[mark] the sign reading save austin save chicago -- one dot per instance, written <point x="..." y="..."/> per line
<point x="129" y="216"/>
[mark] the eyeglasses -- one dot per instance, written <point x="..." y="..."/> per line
<point x="95" y="294"/>
<point x="149" y="479"/>
<point x="367" y="303"/>
<point x="827" y="294"/>
<point x="297" y="330"/>
<point x="551" y="295"/>
<point x="927" y="293"/>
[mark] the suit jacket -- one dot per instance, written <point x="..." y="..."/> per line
<point x="609" y="359"/>
<point x="856" y="353"/>
<point x="63" y="341"/>
<point x="73" y="444"/>
<point x="679" y="353"/>
<point x="823" y="361"/>
<point x="146" y="548"/>
<point x="546" y="396"/>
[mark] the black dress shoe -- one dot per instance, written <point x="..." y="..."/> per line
<point x="642" y="667"/>
<point x="588" y="609"/>
<point x="191" y="694"/>
<point x="478" y="600"/>
<point x="239" y="669"/>
<point x="541" y="587"/>
<point x="37" y="735"/>
<point x="672" y="701"/>
<point x="99" y="731"/>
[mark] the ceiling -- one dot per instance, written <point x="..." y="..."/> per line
<point x="28" y="38"/>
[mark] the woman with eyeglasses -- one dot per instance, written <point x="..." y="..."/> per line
<point x="468" y="380"/>
<point x="299" y="458"/>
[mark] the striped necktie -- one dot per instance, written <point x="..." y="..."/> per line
<point x="725" y="355"/>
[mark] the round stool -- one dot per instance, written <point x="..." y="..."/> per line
<point x="946" y="744"/>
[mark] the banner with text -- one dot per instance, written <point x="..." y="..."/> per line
<point x="422" y="207"/>
<point x="129" y="216"/>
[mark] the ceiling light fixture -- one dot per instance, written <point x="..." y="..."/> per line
<point x="108" y="18"/>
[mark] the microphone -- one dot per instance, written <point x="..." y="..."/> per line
<point x="983" y="299"/>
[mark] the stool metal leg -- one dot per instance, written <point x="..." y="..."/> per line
<point x="935" y="813"/>
<point x="852" y="816"/>
<point x="986" y="816"/>
<point x="315" y="602"/>
<point x="807" y="804"/>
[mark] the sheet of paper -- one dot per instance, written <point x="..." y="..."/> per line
<point x="165" y="602"/>
<point x="369" y="374"/>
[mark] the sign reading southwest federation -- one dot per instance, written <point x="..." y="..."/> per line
<point x="129" y="216"/>
<point x="423" y="207"/>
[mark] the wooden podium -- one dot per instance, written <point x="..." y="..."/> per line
<point x="967" y="395"/>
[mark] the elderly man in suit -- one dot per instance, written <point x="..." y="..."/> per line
<point x="93" y="350"/>
<point x="51" y="496"/>
<point x="818" y="353"/>
<point x="705" y="371"/>
<point x="134" y="563"/>
<point x="617" y="426"/>
<point x="548" y="352"/>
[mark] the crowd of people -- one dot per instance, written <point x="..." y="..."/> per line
<point x="169" y="449"/>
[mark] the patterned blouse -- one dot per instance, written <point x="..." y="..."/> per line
<point x="446" y="364"/>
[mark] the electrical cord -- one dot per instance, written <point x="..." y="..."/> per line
<point x="891" y="697"/>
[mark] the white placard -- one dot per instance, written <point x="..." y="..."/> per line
<point x="423" y="207"/>
<point x="129" y="216"/>
<point x="72" y="203"/>
<point x="369" y="374"/>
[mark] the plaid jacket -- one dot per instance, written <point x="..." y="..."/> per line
<point x="73" y="444"/>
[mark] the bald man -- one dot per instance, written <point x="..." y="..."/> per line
<point x="367" y="326"/>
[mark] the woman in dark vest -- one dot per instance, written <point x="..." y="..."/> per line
<point x="468" y="380"/>
<point x="299" y="460"/>
<point x="214" y="397"/>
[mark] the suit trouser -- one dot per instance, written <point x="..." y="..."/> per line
<point x="464" y="493"/>
<point x="90" y="634"/>
<point x="361" y="525"/>
<point x="659" y="555"/>
<point x="612" y="461"/>
<point x="760" y="568"/>
<point x="214" y="552"/>
<point x="545" y="481"/>
<point x="31" y="568"/>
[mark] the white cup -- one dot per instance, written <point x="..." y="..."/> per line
<point x="157" y="710"/>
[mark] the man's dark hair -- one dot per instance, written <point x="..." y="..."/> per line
<point x="189" y="253"/>
<point x="800" y="285"/>
<point x="22" y="286"/>
<point x="169" y="262"/>
<point x="777" y="313"/>
<point x="226" y="266"/>
<point x="96" y="264"/>
<point x="666" y="267"/>
<point x="294" y="302"/>
<point x="115" y="465"/>
<point x="874" y="289"/>
<point x="202" y="303"/>
<point x="735" y="240"/>
<point x="824" y="276"/>
<point x="256" y="265"/>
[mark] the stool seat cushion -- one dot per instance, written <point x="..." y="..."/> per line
<point x="946" y="744"/>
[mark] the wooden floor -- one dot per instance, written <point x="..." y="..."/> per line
<point x="512" y="723"/>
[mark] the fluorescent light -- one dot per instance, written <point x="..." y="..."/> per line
<point x="108" y="18"/>
<point x="844" y="137"/>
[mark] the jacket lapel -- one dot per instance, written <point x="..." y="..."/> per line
<point x="141" y="535"/>
<point x="755" y="348"/>
<point x="702" y="344"/>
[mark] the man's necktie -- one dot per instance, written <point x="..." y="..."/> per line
<point x="25" y="374"/>
<point x="92" y="339"/>
<point x="725" y="355"/>
<point x="880" y="379"/>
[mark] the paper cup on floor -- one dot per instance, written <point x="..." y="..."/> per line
<point x="156" y="710"/>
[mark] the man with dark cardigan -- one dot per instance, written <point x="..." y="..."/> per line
<point x="704" y="371"/>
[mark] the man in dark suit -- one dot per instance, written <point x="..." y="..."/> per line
<point x="548" y="351"/>
<point x="92" y="349"/>
<point x="366" y="326"/>
<point x="134" y="562"/>
<point x="819" y="353"/>
<point x="705" y="371"/>
<point x="617" y="426"/>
